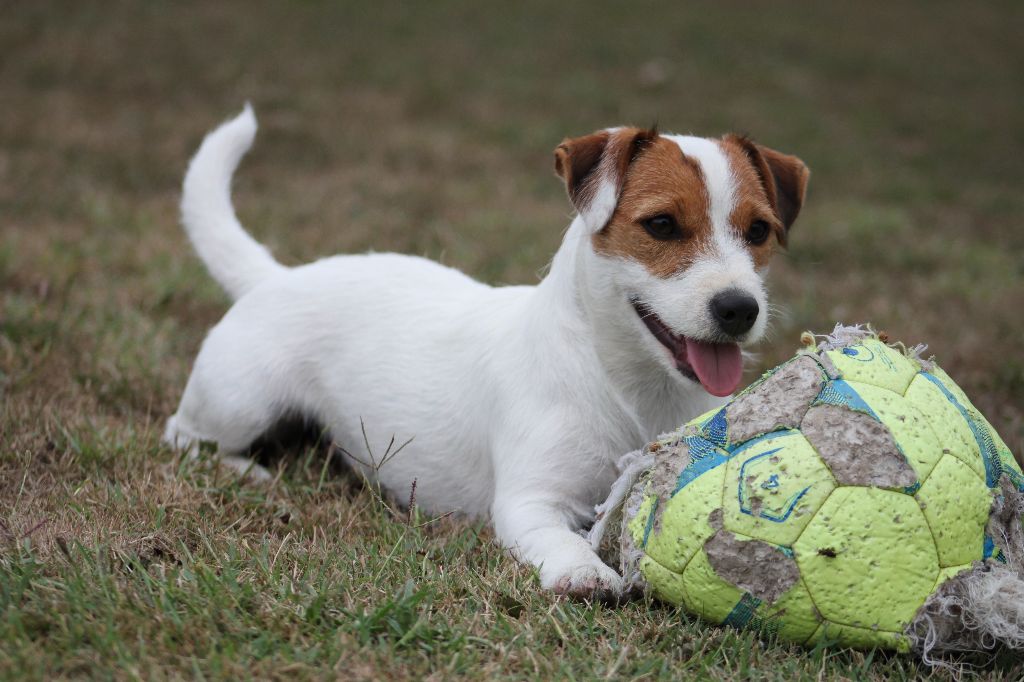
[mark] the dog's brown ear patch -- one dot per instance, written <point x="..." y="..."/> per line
<point x="576" y="158"/>
<point x="784" y="178"/>
<point x="594" y="166"/>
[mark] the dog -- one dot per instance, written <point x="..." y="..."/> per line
<point x="518" y="399"/>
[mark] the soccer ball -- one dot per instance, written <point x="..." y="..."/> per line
<point x="827" y="501"/>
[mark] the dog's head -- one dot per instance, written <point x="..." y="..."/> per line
<point x="682" y="229"/>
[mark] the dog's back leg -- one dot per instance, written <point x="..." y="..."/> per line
<point x="233" y="397"/>
<point x="181" y="436"/>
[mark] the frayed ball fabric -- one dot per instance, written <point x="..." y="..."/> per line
<point x="827" y="501"/>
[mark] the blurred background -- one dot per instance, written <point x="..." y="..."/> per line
<point x="428" y="128"/>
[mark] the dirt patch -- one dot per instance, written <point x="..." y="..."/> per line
<point x="1004" y="523"/>
<point x="669" y="462"/>
<point x="670" y="459"/>
<point x="761" y="569"/>
<point x="780" y="401"/>
<point x="857" y="448"/>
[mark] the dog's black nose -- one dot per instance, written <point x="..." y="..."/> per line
<point x="735" y="311"/>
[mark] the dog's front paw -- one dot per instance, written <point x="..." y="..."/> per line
<point x="589" y="580"/>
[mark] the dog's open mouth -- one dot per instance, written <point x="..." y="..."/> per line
<point x="717" y="366"/>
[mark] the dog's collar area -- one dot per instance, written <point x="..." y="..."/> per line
<point x="718" y="367"/>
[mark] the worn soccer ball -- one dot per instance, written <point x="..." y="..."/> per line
<point x="830" y="501"/>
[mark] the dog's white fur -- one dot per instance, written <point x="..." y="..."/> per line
<point x="519" y="399"/>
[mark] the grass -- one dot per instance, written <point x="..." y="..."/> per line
<point x="428" y="128"/>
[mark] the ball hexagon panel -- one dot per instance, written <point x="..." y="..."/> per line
<point x="873" y="362"/>
<point x="950" y="385"/>
<point x="706" y="593"/>
<point x="911" y="429"/>
<point x="668" y="585"/>
<point x="947" y="421"/>
<point x="868" y="558"/>
<point x="793" y="616"/>
<point x="779" y="400"/>
<point x="956" y="504"/>
<point x="991" y="444"/>
<point x="861" y="638"/>
<point x="993" y="457"/>
<point x="683" y="523"/>
<point x="773" y="486"/>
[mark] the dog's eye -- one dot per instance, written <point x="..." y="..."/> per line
<point x="662" y="227"/>
<point x="758" y="232"/>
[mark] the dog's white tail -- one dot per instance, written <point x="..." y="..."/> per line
<point x="236" y="260"/>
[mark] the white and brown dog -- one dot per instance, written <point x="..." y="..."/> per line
<point x="519" y="399"/>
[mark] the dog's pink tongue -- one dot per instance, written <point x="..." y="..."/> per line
<point x="719" y="366"/>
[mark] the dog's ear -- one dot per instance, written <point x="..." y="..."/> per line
<point x="784" y="178"/>
<point x="594" y="169"/>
